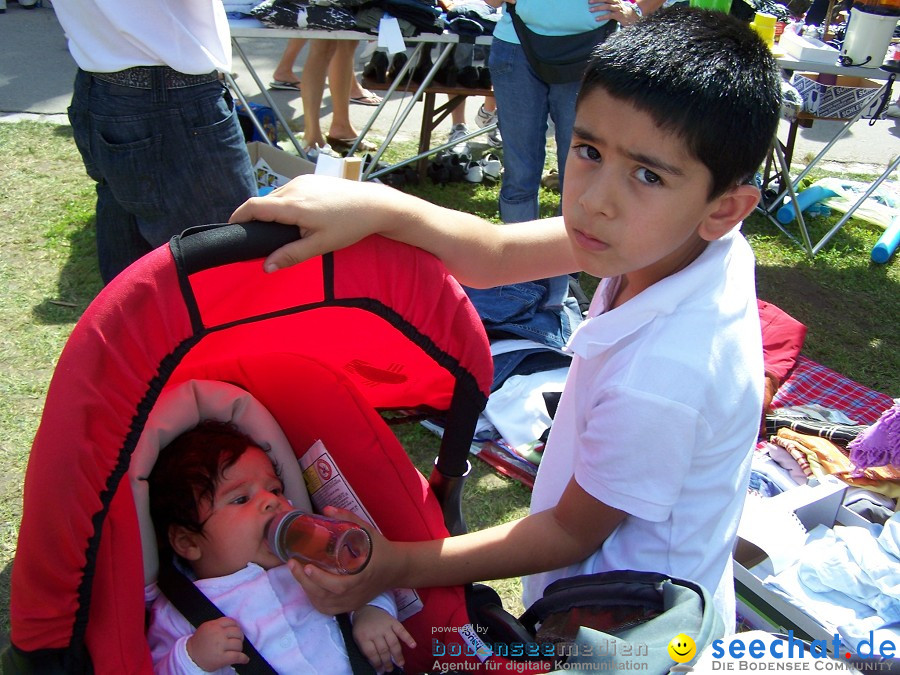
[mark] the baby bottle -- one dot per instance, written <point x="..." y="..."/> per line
<point x="337" y="546"/>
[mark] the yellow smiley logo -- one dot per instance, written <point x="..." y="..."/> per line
<point x="682" y="648"/>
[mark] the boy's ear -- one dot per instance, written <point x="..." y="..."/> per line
<point x="728" y="210"/>
<point x="184" y="542"/>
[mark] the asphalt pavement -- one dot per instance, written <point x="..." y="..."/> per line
<point x="36" y="75"/>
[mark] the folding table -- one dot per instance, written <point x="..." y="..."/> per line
<point x="251" y="28"/>
<point x="782" y="154"/>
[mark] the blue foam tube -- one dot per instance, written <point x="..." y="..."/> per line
<point x="805" y="199"/>
<point x="887" y="242"/>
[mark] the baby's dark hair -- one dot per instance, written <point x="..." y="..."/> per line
<point x="705" y="76"/>
<point x="187" y="472"/>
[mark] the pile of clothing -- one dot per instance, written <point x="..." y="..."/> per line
<point x="470" y="18"/>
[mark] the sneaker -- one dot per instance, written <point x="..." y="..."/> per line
<point x="491" y="168"/>
<point x="458" y="131"/>
<point x="474" y="172"/>
<point x="484" y="118"/>
<point x="494" y="139"/>
<point x="893" y="110"/>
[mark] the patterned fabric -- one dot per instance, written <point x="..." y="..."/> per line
<point x="837" y="433"/>
<point x="330" y="18"/>
<point x="811" y="382"/>
<point x="825" y="458"/>
<point x="280" y="14"/>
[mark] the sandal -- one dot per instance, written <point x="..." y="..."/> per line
<point x="369" y="99"/>
<point x="344" y="144"/>
<point x="284" y="84"/>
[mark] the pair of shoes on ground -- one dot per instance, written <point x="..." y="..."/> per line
<point x="397" y="178"/>
<point x="448" y="167"/>
<point x="284" y="84"/>
<point x="485" y="170"/>
<point x="484" y="118"/>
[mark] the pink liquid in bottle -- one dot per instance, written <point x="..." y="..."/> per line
<point x="337" y="546"/>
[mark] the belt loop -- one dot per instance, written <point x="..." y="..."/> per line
<point x="158" y="85"/>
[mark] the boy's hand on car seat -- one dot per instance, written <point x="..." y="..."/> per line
<point x="378" y="635"/>
<point x="332" y="213"/>
<point x="216" y="644"/>
<point x="336" y="593"/>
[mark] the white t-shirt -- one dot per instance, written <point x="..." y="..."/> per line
<point x="658" y="419"/>
<point x="190" y="36"/>
<point x="275" y="615"/>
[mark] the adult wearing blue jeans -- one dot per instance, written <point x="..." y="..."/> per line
<point x="153" y="121"/>
<point x="524" y="102"/>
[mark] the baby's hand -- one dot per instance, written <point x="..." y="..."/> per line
<point x="378" y="635"/>
<point x="217" y="644"/>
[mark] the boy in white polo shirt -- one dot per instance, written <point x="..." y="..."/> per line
<point x="647" y="464"/>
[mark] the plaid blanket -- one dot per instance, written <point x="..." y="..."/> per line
<point x="811" y="382"/>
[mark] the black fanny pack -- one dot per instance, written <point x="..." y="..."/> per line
<point x="558" y="59"/>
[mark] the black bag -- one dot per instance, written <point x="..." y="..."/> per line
<point x="558" y="59"/>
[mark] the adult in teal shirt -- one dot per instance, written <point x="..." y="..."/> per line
<point x="524" y="101"/>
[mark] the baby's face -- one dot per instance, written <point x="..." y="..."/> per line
<point x="247" y="497"/>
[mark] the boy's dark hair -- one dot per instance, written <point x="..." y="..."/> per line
<point x="705" y="76"/>
<point x="187" y="472"/>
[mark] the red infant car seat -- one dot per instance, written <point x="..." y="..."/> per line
<point x="326" y="346"/>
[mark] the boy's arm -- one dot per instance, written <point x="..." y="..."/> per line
<point x="333" y="213"/>
<point x="565" y="534"/>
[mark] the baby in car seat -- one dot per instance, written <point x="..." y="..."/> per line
<point x="212" y="492"/>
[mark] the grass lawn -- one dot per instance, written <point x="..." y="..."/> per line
<point x="48" y="272"/>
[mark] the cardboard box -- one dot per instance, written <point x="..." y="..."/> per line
<point x="274" y="166"/>
<point x="807" y="49"/>
<point x="761" y="607"/>
<point x="841" y="100"/>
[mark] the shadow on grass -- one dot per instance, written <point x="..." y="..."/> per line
<point x="79" y="279"/>
<point x="847" y="302"/>
<point x="850" y="328"/>
<point x="79" y="276"/>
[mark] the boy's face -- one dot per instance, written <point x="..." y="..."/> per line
<point x="633" y="197"/>
<point x="247" y="497"/>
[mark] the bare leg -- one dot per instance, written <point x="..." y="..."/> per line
<point x="340" y="79"/>
<point x="458" y="114"/>
<point x="284" y="71"/>
<point x="490" y="103"/>
<point x="312" y="89"/>
<point x="356" y="89"/>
